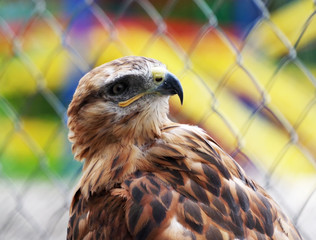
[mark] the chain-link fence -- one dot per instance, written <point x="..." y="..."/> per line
<point x="248" y="70"/>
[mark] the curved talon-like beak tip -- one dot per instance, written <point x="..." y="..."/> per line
<point x="171" y="86"/>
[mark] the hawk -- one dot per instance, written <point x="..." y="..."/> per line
<point x="146" y="177"/>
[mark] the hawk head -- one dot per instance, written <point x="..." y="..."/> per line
<point x="120" y="101"/>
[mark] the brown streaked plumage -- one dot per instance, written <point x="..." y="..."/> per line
<point x="146" y="177"/>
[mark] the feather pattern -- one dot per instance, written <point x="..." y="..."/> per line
<point x="165" y="180"/>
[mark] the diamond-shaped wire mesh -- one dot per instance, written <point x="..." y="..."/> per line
<point x="248" y="70"/>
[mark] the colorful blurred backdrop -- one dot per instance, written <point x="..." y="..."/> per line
<point x="248" y="69"/>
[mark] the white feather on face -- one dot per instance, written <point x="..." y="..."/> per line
<point x="95" y="115"/>
<point x="146" y="177"/>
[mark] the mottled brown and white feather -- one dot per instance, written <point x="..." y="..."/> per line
<point x="145" y="177"/>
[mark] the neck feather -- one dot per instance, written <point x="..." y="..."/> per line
<point x="112" y="150"/>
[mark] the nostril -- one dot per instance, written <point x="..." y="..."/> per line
<point x="158" y="79"/>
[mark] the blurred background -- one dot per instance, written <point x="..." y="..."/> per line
<point x="248" y="70"/>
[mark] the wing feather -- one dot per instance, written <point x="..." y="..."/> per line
<point x="217" y="193"/>
<point x="191" y="190"/>
<point x="94" y="218"/>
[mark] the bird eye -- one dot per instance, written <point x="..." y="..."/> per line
<point x="118" y="88"/>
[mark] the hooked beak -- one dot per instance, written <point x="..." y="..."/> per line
<point x="170" y="86"/>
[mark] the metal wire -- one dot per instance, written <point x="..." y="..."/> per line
<point x="34" y="204"/>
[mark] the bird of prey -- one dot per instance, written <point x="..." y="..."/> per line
<point x="146" y="177"/>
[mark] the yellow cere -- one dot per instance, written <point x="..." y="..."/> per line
<point x="159" y="74"/>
